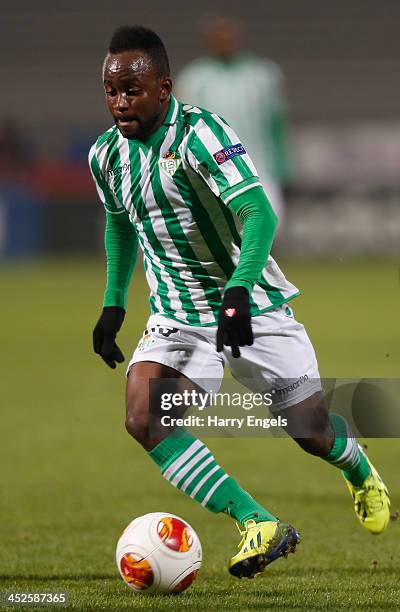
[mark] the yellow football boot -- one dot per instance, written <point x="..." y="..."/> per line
<point x="261" y="544"/>
<point x="371" y="502"/>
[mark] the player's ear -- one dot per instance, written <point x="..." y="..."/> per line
<point x="165" y="88"/>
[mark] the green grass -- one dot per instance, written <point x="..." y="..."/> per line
<point x="72" y="479"/>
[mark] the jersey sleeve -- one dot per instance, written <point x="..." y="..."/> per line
<point x="259" y="224"/>
<point x="121" y="245"/>
<point x="109" y="200"/>
<point x="216" y="153"/>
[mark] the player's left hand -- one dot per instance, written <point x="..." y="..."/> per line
<point x="234" y="321"/>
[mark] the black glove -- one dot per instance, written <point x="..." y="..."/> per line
<point x="104" y="335"/>
<point x="234" y="321"/>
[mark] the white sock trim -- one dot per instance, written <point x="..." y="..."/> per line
<point x="188" y="466"/>
<point x="197" y="471"/>
<point x="213" y="489"/>
<point x="204" y="480"/>
<point x="182" y="458"/>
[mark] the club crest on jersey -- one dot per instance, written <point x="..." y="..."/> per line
<point x="170" y="162"/>
<point x="229" y="152"/>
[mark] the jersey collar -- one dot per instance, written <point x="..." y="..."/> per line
<point x="173" y="115"/>
<point x="173" y="111"/>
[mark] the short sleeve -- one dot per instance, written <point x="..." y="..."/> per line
<point x="216" y="153"/>
<point x="109" y="200"/>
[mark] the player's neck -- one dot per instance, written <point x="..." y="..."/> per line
<point x="161" y="118"/>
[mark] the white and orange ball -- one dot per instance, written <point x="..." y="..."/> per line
<point x="158" y="553"/>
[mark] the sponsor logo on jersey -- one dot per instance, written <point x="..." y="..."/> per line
<point x="118" y="171"/>
<point x="170" y="162"/>
<point x="229" y="152"/>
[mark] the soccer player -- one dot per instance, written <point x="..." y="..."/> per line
<point x="173" y="179"/>
<point x="217" y="79"/>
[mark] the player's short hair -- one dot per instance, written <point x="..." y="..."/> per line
<point x="139" y="38"/>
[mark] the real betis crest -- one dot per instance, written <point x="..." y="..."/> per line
<point x="170" y="162"/>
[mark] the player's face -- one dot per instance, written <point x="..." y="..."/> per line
<point x="136" y="96"/>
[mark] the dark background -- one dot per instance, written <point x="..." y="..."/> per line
<point x="342" y="66"/>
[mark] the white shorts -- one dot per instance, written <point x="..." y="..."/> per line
<point x="282" y="356"/>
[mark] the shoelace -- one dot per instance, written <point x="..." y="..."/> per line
<point x="372" y="503"/>
<point x="243" y="534"/>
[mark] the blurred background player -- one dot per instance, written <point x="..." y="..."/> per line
<point x="218" y="80"/>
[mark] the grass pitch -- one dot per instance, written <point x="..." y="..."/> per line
<point x="72" y="478"/>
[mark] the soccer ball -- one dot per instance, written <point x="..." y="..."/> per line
<point x="158" y="553"/>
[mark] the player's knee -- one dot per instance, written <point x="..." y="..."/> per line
<point x="321" y="440"/>
<point x="319" y="446"/>
<point x="137" y="426"/>
<point x="310" y="427"/>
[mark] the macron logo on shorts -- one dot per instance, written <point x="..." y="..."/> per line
<point x="229" y="152"/>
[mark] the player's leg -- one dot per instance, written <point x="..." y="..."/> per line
<point x="332" y="440"/>
<point x="184" y="460"/>
<point x="189" y="465"/>
<point x="287" y="358"/>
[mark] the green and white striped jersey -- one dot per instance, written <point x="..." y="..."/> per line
<point x="176" y="186"/>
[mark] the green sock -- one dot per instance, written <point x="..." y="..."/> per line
<point x="346" y="454"/>
<point x="189" y="465"/>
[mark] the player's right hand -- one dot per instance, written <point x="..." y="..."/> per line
<point x="104" y="335"/>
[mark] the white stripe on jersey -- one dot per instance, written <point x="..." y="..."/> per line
<point x="274" y="276"/>
<point x="175" y="111"/>
<point x="152" y="280"/>
<point x="258" y="295"/>
<point x="188" y="108"/>
<point x="168" y="140"/>
<point x="160" y="228"/>
<point x="102" y="158"/>
<point x="213" y="145"/>
<point x="123" y="148"/>
<point x="232" y="137"/>
<point x="173" y="294"/>
<point x="242" y="190"/>
<point x="211" y="206"/>
<point x="200" y="248"/>
<point x="203" y="172"/>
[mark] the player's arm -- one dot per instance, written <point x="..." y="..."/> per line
<point x="121" y="253"/>
<point x="259" y="223"/>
